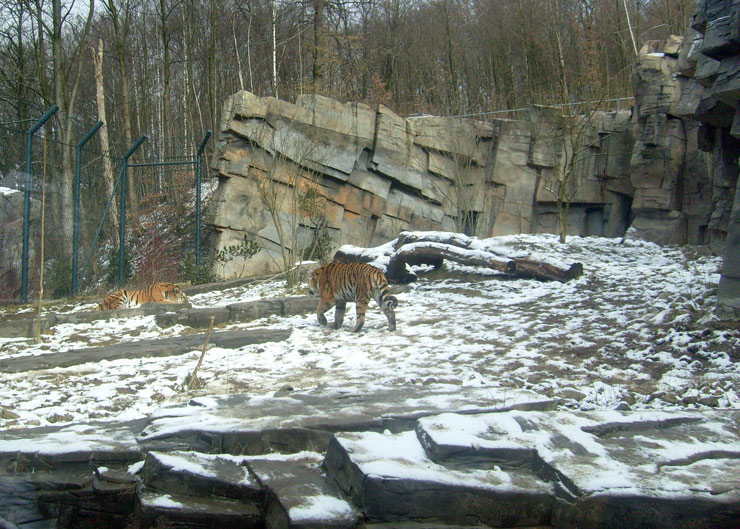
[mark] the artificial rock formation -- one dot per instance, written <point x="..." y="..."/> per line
<point x="708" y="69"/>
<point x="378" y="174"/>
<point x="381" y="174"/>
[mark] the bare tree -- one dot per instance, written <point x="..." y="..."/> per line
<point x="120" y="13"/>
<point x="66" y="74"/>
<point x="104" y="140"/>
<point x="290" y="193"/>
<point x="463" y="188"/>
<point x="575" y="138"/>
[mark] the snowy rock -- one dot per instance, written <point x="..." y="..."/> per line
<point x="391" y="478"/>
<point x="305" y="420"/>
<point x="156" y="509"/>
<point x="611" y="465"/>
<point x="298" y="495"/>
<point x="191" y="473"/>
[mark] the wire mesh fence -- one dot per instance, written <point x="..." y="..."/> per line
<point x="159" y="228"/>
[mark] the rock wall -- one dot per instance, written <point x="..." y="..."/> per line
<point x="380" y="173"/>
<point x="708" y="69"/>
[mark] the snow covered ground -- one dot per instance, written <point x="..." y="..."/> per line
<point x="637" y="331"/>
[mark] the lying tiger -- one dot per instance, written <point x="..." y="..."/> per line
<point x="338" y="283"/>
<point x="156" y="293"/>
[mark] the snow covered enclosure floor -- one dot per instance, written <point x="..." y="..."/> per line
<point x="636" y="331"/>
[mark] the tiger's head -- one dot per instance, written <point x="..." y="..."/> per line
<point x="174" y="293"/>
<point x="313" y="283"/>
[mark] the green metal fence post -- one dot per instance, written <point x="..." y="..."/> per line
<point x="122" y="213"/>
<point x="198" y="176"/>
<point x="27" y="200"/>
<point x="76" y="224"/>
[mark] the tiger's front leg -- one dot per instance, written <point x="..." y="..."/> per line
<point x="324" y="305"/>
<point x="339" y="313"/>
<point x="360" y="308"/>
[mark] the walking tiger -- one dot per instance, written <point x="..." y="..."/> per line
<point x="338" y="283"/>
<point x="156" y="293"/>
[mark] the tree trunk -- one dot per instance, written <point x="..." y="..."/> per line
<point x="273" y="25"/>
<point x="320" y="47"/>
<point x="104" y="142"/>
<point x="66" y="82"/>
<point x="431" y="248"/>
<point x="121" y="31"/>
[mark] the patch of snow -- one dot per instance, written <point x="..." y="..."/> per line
<point x="7" y="191"/>
<point x="320" y="508"/>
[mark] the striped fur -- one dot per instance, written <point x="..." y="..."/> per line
<point x="156" y="293"/>
<point x="338" y="283"/>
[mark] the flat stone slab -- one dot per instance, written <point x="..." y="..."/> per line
<point x="167" y="315"/>
<point x="291" y="421"/>
<point x="608" y="468"/>
<point x="34" y="499"/>
<point x="394" y="456"/>
<point x="26" y="327"/>
<point x="299" y="496"/>
<point x="391" y="478"/>
<point x="158" y="510"/>
<point x="143" y="348"/>
<point x="53" y="447"/>
<point x="239" y="312"/>
<point x="191" y="473"/>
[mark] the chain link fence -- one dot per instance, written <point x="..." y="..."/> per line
<point x="66" y="231"/>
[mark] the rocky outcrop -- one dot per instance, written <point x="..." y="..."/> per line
<point x="708" y="69"/>
<point x="417" y="456"/>
<point x="381" y="174"/>
<point x="647" y="169"/>
<point x="670" y="200"/>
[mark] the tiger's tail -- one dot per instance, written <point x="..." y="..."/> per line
<point x="385" y="300"/>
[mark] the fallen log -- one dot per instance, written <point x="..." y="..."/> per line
<point x="432" y="248"/>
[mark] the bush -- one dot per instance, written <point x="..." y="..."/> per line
<point x="59" y="278"/>
<point x="111" y="276"/>
<point x="196" y="274"/>
<point x="246" y="250"/>
<point x="321" y="245"/>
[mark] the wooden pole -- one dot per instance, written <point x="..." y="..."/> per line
<point x="194" y="377"/>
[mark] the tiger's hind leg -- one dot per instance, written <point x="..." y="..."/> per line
<point x="391" y="316"/>
<point x="339" y="312"/>
<point x="324" y="305"/>
<point x="360" y="309"/>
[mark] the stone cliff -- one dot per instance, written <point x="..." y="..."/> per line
<point x="380" y="173"/>
<point x="708" y="70"/>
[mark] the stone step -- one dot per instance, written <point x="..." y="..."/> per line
<point x="25" y="327"/>
<point x="298" y="421"/>
<point x="194" y="474"/>
<point x="144" y="348"/>
<point x="78" y="498"/>
<point x="239" y="312"/>
<point x="391" y="478"/>
<point x="608" y="469"/>
<point x="299" y="496"/>
<point x="171" y="511"/>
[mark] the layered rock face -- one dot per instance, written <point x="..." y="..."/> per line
<point x="709" y="72"/>
<point x="380" y="174"/>
<point x="377" y="173"/>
